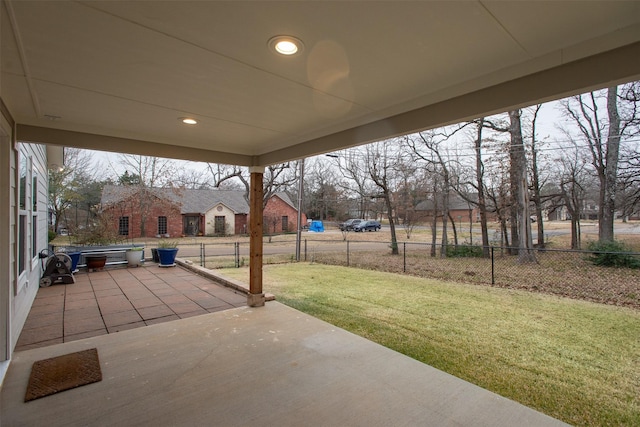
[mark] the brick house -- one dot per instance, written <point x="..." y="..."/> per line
<point x="188" y="212"/>
<point x="280" y="215"/>
<point x="127" y="207"/>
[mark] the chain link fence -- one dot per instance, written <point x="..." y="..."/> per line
<point x="567" y="273"/>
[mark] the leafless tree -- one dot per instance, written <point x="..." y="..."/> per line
<point x="277" y="178"/>
<point x="223" y="174"/>
<point x="65" y="185"/>
<point x="628" y="194"/>
<point x="355" y="181"/>
<point x="187" y="177"/>
<point x="480" y="186"/>
<point x="521" y="238"/>
<point x="429" y="148"/>
<point x="408" y="194"/>
<point x="382" y="163"/>
<point x="536" y="181"/>
<point x="573" y="179"/>
<point x="602" y="134"/>
<point x="152" y="171"/>
<point x="322" y="197"/>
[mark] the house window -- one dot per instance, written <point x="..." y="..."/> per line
<point x="34" y="235"/>
<point x="23" y="190"/>
<point x="22" y="243"/>
<point x="23" y="182"/>
<point x="219" y="225"/>
<point x="162" y="225"/>
<point x="123" y="226"/>
<point x="285" y="223"/>
<point x="34" y="215"/>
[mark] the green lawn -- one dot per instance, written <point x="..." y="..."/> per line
<point x="574" y="360"/>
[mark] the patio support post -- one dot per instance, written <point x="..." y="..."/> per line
<point x="256" y="296"/>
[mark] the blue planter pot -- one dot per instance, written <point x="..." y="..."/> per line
<point x="167" y="256"/>
<point x="75" y="258"/>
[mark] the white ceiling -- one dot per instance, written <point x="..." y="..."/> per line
<point x="117" y="75"/>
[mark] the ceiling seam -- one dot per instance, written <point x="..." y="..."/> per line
<point x="163" y="107"/>
<point x="225" y="56"/>
<point x="23" y="58"/>
<point x="511" y="36"/>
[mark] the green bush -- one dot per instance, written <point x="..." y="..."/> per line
<point x="464" y="251"/>
<point x="612" y="254"/>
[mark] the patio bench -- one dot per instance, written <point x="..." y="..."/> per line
<point x="116" y="255"/>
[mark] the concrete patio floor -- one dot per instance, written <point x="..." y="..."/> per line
<point x="121" y="298"/>
<point x="206" y="359"/>
<point x="267" y="366"/>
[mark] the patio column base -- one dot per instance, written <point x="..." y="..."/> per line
<point x="255" y="300"/>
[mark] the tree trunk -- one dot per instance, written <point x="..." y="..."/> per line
<point x="537" y="198"/>
<point x="394" y="240"/>
<point x="454" y="229"/>
<point x="520" y="195"/>
<point x="607" y="207"/>
<point x="434" y="226"/>
<point x="482" y="204"/>
<point x="445" y="213"/>
<point x="574" y="234"/>
<point x="505" y="234"/>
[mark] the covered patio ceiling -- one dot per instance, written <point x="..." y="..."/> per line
<point x="118" y="75"/>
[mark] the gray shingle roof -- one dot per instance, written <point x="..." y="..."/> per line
<point x="455" y="203"/>
<point x="201" y="201"/>
<point x="189" y="200"/>
<point x="285" y="198"/>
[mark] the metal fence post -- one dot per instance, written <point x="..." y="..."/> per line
<point x="305" y="248"/>
<point x="202" y="256"/>
<point x="493" y="277"/>
<point x="236" y="253"/>
<point x="347" y="253"/>
<point x="404" y="257"/>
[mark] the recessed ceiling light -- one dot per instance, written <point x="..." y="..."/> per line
<point x="188" y="120"/>
<point x="286" y="45"/>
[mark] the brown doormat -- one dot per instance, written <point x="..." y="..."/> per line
<point x="62" y="373"/>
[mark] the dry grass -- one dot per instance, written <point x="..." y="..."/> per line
<point x="419" y="234"/>
<point x="567" y="274"/>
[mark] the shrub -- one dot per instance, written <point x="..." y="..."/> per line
<point x="101" y="231"/>
<point x="464" y="251"/>
<point x="612" y="254"/>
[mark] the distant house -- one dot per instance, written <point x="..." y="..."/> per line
<point x="170" y="212"/>
<point x="280" y="215"/>
<point x="214" y="212"/>
<point x="459" y="209"/>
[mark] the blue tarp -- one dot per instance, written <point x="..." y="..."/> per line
<point x="316" y="226"/>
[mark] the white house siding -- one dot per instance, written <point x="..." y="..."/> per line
<point x="229" y="219"/>
<point x="17" y="291"/>
<point x="7" y="241"/>
<point x="27" y="283"/>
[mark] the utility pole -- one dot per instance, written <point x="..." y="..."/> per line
<point x="300" y="190"/>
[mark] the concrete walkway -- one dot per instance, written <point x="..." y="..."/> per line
<point x="121" y="298"/>
<point x="267" y="366"/>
